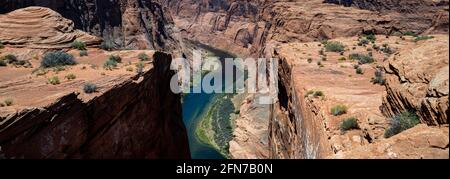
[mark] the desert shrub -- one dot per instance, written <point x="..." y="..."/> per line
<point x="386" y="49"/>
<point x="130" y="69"/>
<point x="89" y="88"/>
<point x="342" y="59"/>
<point x="309" y="60"/>
<point x="2" y="62"/>
<point x="379" y="77"/>
<point x="83" y="53"/>
<point x="9" y="58"/>
<point x="409" y="33"/>
<point x="110" y="64"/>
<point x="419" y="38"/>
<point x="363" y="42"/>
<point x="361" y="58"/>
<point x="348" y="124"/>
<point x="371" y="37"/>
<point x="339" y="110"/>
<point x="334" y="47"/>
<point x="140" y="67"/>
<point x="324" y="59"/>
<point x="143" y="57"/>
<point x="78" y="45"/>
<point x="359" y="71"/>
<point x="401" y="122"/>
<point x="356" y="66"/>
<point x="376" y="47"/>
<point x="1" y="45"/>
<point x="57" y="58"/>
<point x="107" y="45"/>
<point x="70" y="76"/>
<point x="318" y="94"/>
<point x="54" y="80"/>
<point x="115" y="58"/>
<point x="315" y="93"/>
<point x="8" y="102"/>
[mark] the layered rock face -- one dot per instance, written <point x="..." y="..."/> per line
<point x="41" y="28"/>
<point x="138" y="24"/>
<point x="246" y="27"/>
<point x="138" y="118"/>
<point x="417" y="80"/>
<point x="429" y="12"/>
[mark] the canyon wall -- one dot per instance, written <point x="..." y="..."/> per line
<point x="246" y="27"/>
<point x="417" y="80"/>
<point x="139" y="118"/>
<point x="139" y="24"/>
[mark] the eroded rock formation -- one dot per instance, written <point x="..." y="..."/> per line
<point x="138" y="24"/>
<point x="138" y="118"/>
<point x="41" y="28"/>
<point x="417" y="81"/>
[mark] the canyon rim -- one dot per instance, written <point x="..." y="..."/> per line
<point x="354" y="79"/>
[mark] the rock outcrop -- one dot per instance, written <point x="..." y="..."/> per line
<point x="140" y="24"/>
<point x="138" y="118"/>
<point x="429" y="12"/>
<point x="417" y="81"/>
<point x="420" y="142"/>
<point x="41" y="28"/>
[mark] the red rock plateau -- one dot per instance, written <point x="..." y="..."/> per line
<point x="405" y="42"/>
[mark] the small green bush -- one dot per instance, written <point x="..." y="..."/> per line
<point x="334" y="47"/>
<point x="9" y="59"/>
<point x="140" y="67"/>
<point x="400" y="123"/>
<point x="78" y="45"/>
<point x="318" y="94"/>
<point x="1" y="45"/>
<point x="90" y="88"/>
<point x="2" y="63"/>
<point x="70" y="76"/>
<point x="83" y="53"/>
<point x="143" y="57"/>
<point x="379" y="77"/>
<point x="130" y="69"/>
<point x="110" y="64"/>
<point x="342" y="59"/>
<point x="419" y="38"/>
<point x="359" y="71"/>
<point x="8" y="102"/>
<point x="363" y="42"/>
<point x="57" y="58"/>
<point x="115" y="58"/>
<point x="315" y="93"/>
<point x="371" y="37"/>
<point x="339" y="110"/>
<point x="348" y="124"/>
<point x="107" y="45"/>
<point x="409" y="33"/>
<point x="361" y="58"/>
<point x="54" y="80"/>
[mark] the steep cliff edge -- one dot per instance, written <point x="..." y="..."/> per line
<point x="136" y="117"/>
<point x="313" y="82"/>
<point x="138" y="24"/>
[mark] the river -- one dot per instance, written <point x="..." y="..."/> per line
<point x="198" y="107"/>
